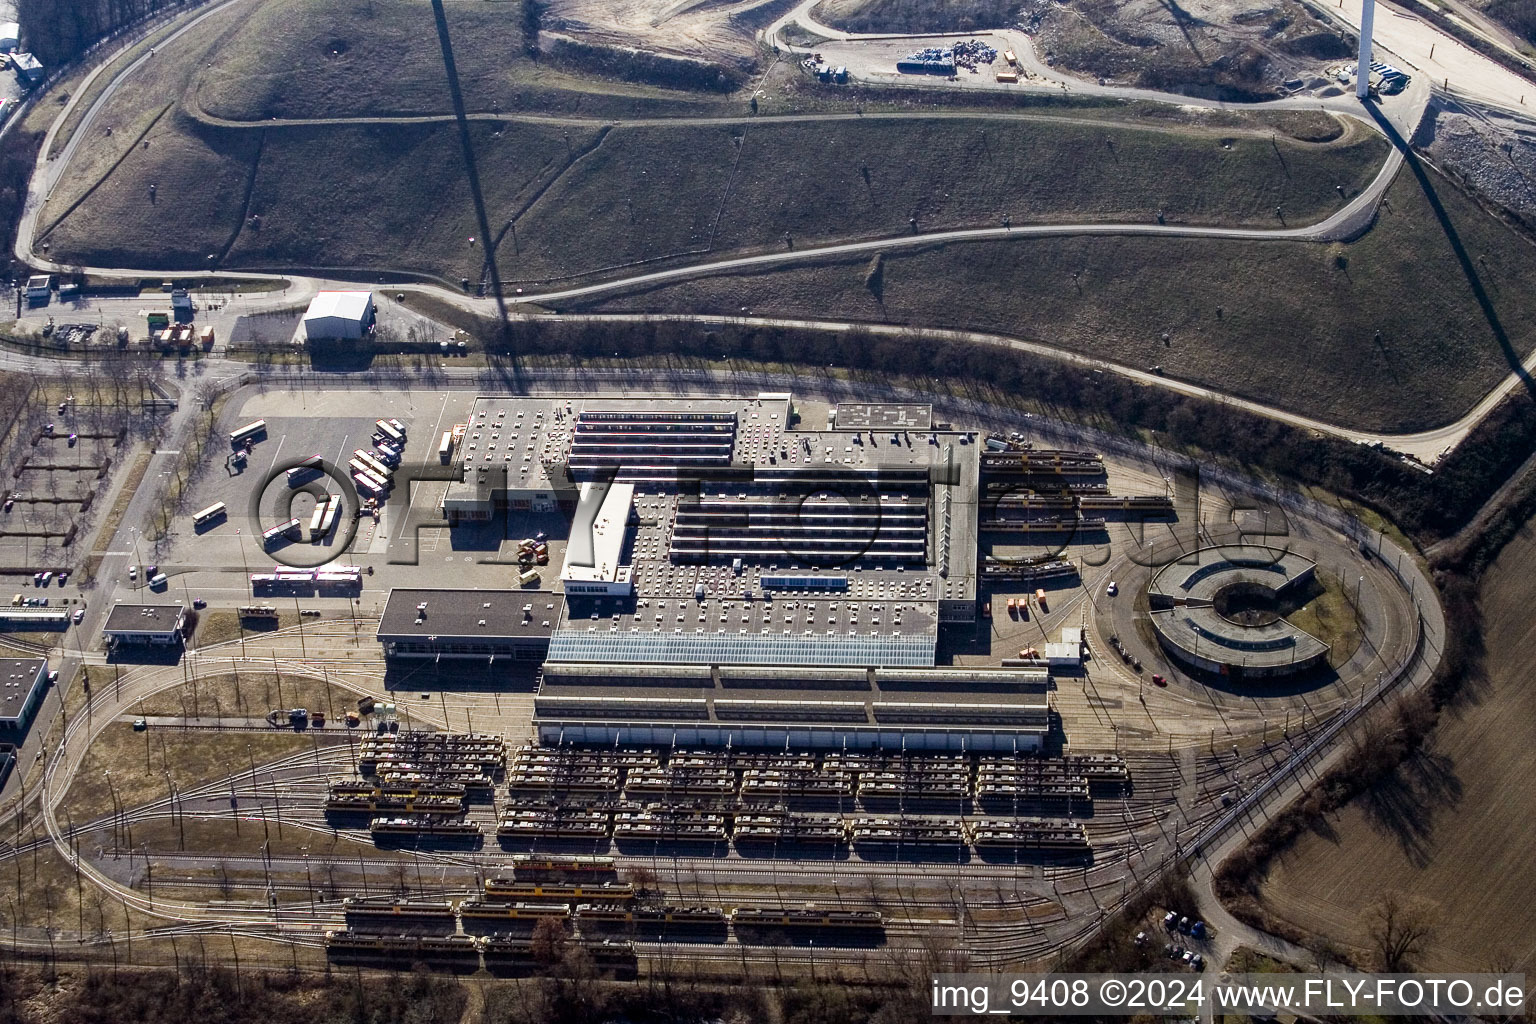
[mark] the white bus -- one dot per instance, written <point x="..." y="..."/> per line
<point x="329" y="519"/>
<point x="249" y="430"/>
<point x="319" y="516"/>
<point x="304" y="470"/>
<point x="445" y="448"/>
<point x="278" y="533"/>
<point x="390" y="431"/>
<point x="215" y="511"/>
<point x="366" y="486"/>
<point x="382" y="483"/>
<point x="375" y="467"/>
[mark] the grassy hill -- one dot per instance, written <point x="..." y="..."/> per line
<point x="370" y="58"/>
<point x="1447" y="827"/>
<point x="1287" y="323"/>
<point x="587" y="198"/>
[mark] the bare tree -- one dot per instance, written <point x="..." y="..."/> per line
<point x="548" y="943"/>
<point x="1399" y="930"/>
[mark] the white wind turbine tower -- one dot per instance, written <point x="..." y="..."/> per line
<point x="1363" y="65"/>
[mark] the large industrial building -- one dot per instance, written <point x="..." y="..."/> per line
<point x="484" y="625"/>
<point x="1209" y="613"/>
<point x="783" y="706"/>
<point x="734" y="576"/>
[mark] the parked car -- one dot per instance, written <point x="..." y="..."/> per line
<point x="47" y="577"/>
<point x="133" y="572"/>
<point x="79" y="616"/>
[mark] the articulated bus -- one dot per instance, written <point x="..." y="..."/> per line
<point x="255" y="429"/>
<point x="390" y="432"/>
<point x="304" y="470"/>
<point x="328" y="520"/>
<point x="215" y="511"/>
<point x="319" y="516"/>
<point x="278" y="533"/>
<point x="373" y="465"/>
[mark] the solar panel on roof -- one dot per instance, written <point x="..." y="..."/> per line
<point x="744" y="649"/>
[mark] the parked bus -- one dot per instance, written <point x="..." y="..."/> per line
<point x="319" y="516"/>
<point x="303" y="471"/>
<point x="215" y="511"/>
<point x="366" y="486"/>
<point x="250" y="430"/>
<point x="277" y="533"/>
<point x="390" y="431"/>
<point x="327" y="521"/>
<point x="373" y="465"/>
<point x="383" y="483"/>
<point x="445" y="449"/>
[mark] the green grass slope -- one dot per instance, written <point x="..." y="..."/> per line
<point x="1291" y="324"/>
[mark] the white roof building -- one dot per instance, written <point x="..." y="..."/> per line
<point x="597" y="541"/>
<point x="338" y="315"/>
<point x="10" y="36"/>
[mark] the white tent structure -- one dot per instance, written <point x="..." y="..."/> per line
<point x="338" y="315"/>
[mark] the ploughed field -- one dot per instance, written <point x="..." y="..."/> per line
<point x="1451" y="829"/>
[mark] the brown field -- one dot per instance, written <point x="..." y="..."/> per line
<point x="188" y="759"/>
<point x="1452" y="827"/>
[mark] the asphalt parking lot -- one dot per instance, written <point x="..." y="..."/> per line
<point x="213" y="563"/>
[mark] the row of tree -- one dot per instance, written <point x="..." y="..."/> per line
<point x="60" y="30"/>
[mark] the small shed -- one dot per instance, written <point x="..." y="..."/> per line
<point x="339" y="316"/>
<point x="1063" y="655"/>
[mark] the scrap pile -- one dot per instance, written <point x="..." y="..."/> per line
<point x="970" y="55"/>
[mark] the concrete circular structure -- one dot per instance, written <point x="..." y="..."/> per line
<point x="1210" y="611"/>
